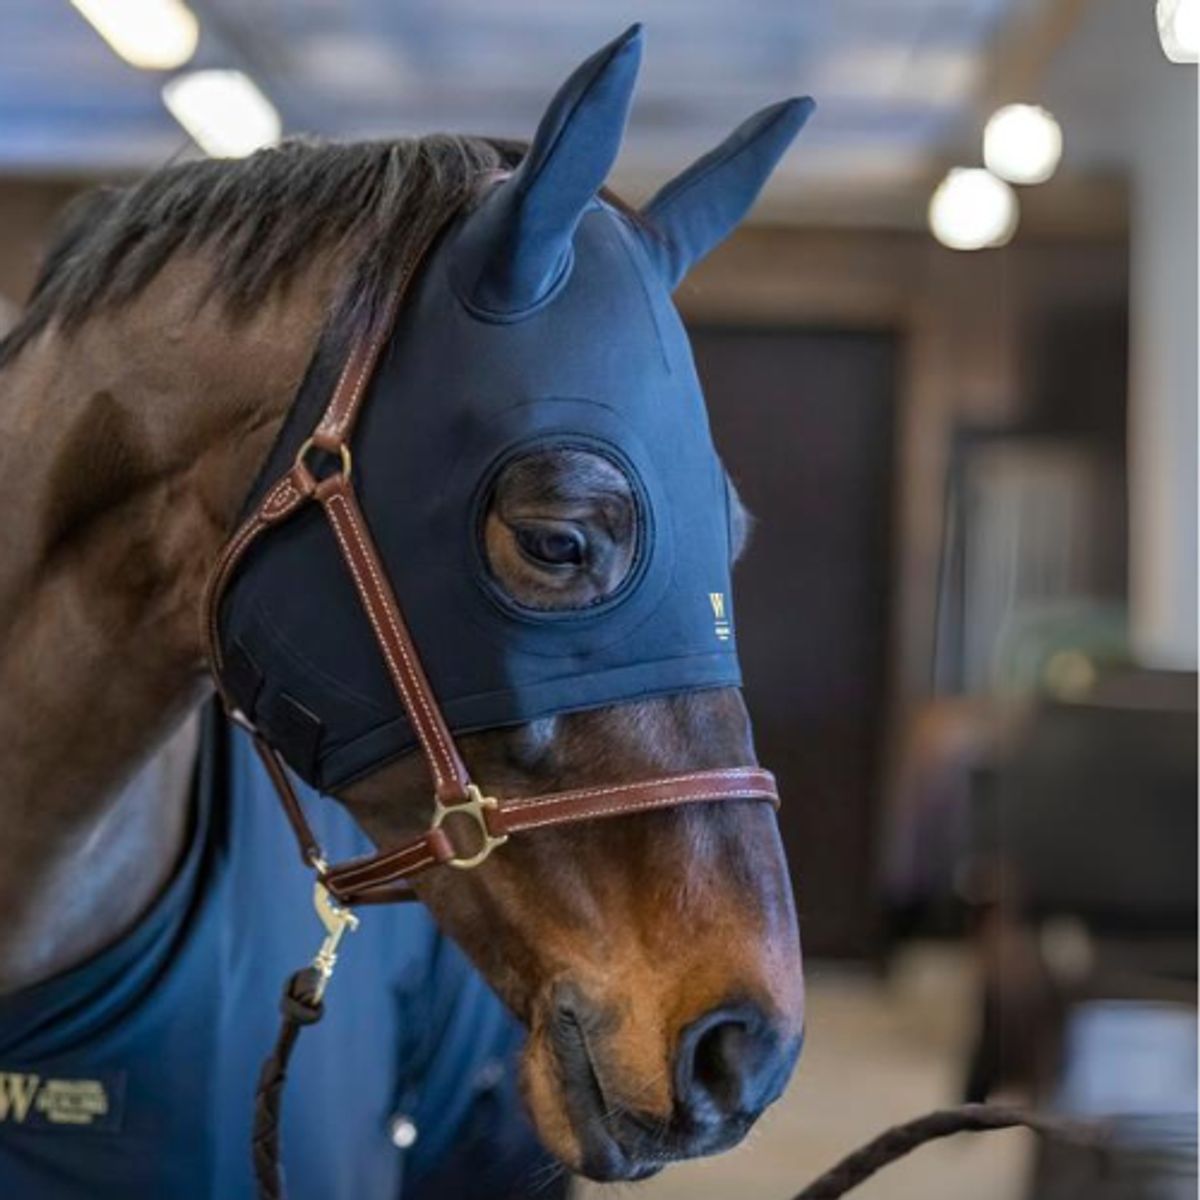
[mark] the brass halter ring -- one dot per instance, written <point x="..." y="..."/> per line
<point x="343" y="451"/>
<point x="473" y="806"/>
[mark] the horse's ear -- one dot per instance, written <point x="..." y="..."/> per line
<point x="699" y="208"/>
<point x="517" y="245"/>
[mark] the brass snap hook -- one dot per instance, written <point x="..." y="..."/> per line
<point x="337" y="921"/>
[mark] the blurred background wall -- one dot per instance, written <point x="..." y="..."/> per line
<point x="968" y="615"/>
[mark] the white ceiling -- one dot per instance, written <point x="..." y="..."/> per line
<point x="889" y="73"/>
<point x="895" y="80"/>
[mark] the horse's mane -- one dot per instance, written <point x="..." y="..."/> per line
<point x="262" y="218"/>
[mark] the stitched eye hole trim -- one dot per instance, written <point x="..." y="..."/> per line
<point x="560" y="529"/>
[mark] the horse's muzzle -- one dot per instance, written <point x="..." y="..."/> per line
<point x="728" y="1066"/>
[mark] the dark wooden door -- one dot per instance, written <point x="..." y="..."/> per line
<point x="805" y="422"/>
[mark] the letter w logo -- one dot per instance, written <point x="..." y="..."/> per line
<point x="16" y="1095"/>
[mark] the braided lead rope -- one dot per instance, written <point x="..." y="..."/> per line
<point x="900" y="1140"/>
<point x="300" y="1005"/>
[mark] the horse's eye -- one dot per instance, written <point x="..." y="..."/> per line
<point x="552" y="546"/>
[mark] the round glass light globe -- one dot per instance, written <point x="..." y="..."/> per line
<point x="157" y="35"/>
<point x="1022" y="143"/>
<point x="972" y="210"/>
<point x="1179" y="29"/>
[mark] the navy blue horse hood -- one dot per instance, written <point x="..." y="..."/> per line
<point x="542" y="318"/>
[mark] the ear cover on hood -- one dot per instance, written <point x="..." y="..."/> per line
<point x="516" y="247"/>
<point x="699" y="208"/>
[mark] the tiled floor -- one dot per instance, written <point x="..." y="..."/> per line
<point x="876" y="1053"/>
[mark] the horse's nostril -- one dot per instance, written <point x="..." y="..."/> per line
<point x="730" y="1063"/>
<point x="717" y="1061"/>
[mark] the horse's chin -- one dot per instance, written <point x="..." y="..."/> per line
<point x="592" y="1131"/>
<point x="571" y="1119"/>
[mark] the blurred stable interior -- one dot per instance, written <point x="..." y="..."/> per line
<point x="968" y="614"/>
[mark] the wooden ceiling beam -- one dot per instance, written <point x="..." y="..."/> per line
<point x="1020" y="56"/>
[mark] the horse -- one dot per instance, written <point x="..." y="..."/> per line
<point x="653" y="959"/>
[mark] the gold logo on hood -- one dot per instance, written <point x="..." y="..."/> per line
<point x="721" y="625"/>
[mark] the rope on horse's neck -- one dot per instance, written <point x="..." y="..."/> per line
<point x="299" y="1006"/>
<point x="898" y="1141"/>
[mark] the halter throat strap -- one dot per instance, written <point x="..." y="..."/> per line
<point x="467" y="825"/>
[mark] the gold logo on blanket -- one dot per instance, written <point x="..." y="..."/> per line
<point x="40" y="1101"/>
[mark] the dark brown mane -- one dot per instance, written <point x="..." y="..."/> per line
<point x="263" y="217"/>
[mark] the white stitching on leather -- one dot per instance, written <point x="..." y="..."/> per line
<point x="603" y="810"/>
<point x="336" y="416"/>
<point x="339" y="413"/>
<point x="281" y="496"/>
<point x="435" y="726"/>
<point x="397" y="674"/>
<point x="346" y="877"/>
<point x="614" y="789"/>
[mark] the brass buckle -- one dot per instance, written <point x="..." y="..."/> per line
<point x="472" y="807"/>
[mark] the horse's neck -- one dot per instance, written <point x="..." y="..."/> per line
<point x="126" y="448"/>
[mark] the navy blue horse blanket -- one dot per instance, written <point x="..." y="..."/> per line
<point x="132" y="1076"/>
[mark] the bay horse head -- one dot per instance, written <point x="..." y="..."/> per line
<point x="535" y="466"/>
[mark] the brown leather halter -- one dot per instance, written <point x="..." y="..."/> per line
<point x="384" y="876"/>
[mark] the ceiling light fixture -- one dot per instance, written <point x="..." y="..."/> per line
<point x="223" y="111"/>
<point x="1179" y="29"/>
<point x="1022" y="143"/>
<point x="156" y="35"/>
<point x="972" y="210"/>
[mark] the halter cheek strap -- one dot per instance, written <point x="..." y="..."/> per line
<point x="458" y="802"/>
